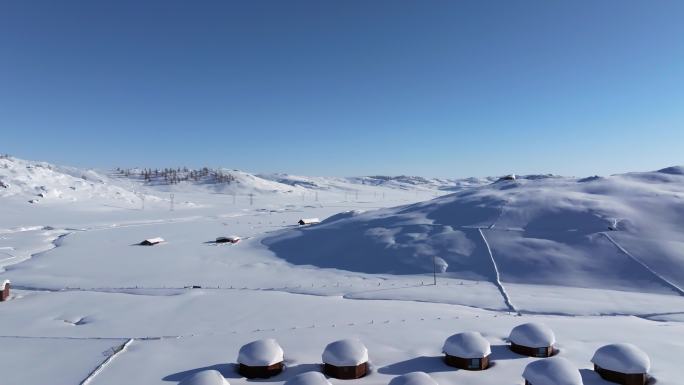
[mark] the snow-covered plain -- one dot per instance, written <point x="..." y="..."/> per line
<point x="599" y="260"/>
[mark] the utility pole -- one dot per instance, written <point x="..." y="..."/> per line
<point x="171" y="206"/>
<point x="251" y="199"/>
<point x="233" y="198"/>
<point x="357" y="195"/>
<point x="316" y="196"/>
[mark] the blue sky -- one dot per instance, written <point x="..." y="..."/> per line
<point x="435" y="88"/>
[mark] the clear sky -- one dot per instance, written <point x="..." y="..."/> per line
<point x="435" y="88"/>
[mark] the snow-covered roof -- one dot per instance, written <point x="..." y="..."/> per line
<point x="4" y="283"/>
<point x="533" y="335"/>
<point x="230" y="238"/>
<point x="552" y="371"/>
<point x="467" y="345"/>
<point x="308" y="378"/>
<point x="154" y="240"/>
<point x="264" y="352"/>
<point x="413" y="378"/>
<point x="205" y="377"/>
<point x="622" y="358"/>
<point x="310" y="220"/>
<point x="349" y="352"/>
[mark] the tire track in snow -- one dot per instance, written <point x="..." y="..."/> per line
<point x="120" y="349"/>
<point x="497" y="276"/>
<point x="672" y="285"/>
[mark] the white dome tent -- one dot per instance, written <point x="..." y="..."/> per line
<point x="532" y="339"/>
<point x="413" y="378"/>
<point x="308" y="378"/>
<point x="552" y="371"/>
<point x="467" y="350"/>
<point x="261" y="359"/>
<point x="345" y="359"/>
<point x="205" y="377"/>
<point x="622" y="363"/>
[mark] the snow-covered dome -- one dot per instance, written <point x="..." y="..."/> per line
<point x="532" y="335"/>
<point x="205" y="377"/>
<point x="308" y="378"/>
<point x="467" y="345"/>
<point x="552" y="371"/>
<point x="264" y="352"/>
<point x="413" y="378"/>
<point x="622" y="358"/>
<point x="349" y="352"/>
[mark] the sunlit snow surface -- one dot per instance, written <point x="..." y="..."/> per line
<point x="598" y="260"/>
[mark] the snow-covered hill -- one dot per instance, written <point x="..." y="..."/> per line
<point x="41" y="182"/>
<point x="622" y="232"/>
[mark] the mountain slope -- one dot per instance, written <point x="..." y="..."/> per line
<point x="539" y="230"/>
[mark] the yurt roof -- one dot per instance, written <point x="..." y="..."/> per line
<point x="552" y="371"/>
<point x="348" y="352"/>
<point x="264" y="352"/>
<point x="154" y="240"/>
<point x="467" y="345"/>
<point x="533" y="335"/>
<point x="413" y="378"/>
<point x="622" y="358"/>
<point x="308" y="378"/>
<point x="205" y="377"/>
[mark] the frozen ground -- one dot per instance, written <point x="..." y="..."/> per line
<point x="599" y="260"/>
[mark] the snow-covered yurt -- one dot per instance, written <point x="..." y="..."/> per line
<point x="413" y="378"/>
<point x="532" y="339"/>
<point x="152" y="241"/>
<point x="5" y="290"/>
<point x="552" y="371"/>
<point x="468" y="350"/>
<point x="622" y="363"/>
<point x="205" y="377"/>
<point x="260" y="359"/>
<point x="345" y="359"/>
<point x="308" y="378"/>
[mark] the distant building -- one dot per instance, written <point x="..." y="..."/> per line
<point x="229" y="239"/>
<point x="622" y="363"/>
<point x="468" y="350"/>
<point x="532" y="339"/>
<point x="261" y="359"/>
<point x="345" y="359"/>
<point x="152" y="241"/>
<point x="5" y="290"/>
<point x="309" y="221"/>
<point x="552" y="371"/>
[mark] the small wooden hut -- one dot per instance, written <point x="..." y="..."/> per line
<point x="152" y="241"/>
<point x="345" y="359"/>
<point x="552" y="371"/>
<point x="468" y="350"/>
<point x="205" y="377"/>
<point x="624" y="364"/>
<point x="261" y="359"/>
<point x="532" y="339"/>
<point x="5" y="290"/>
<point x="309" y="221"/>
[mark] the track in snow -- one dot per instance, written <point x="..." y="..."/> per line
<point x="497" y="277"/>
<point x="674" y="287"/>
